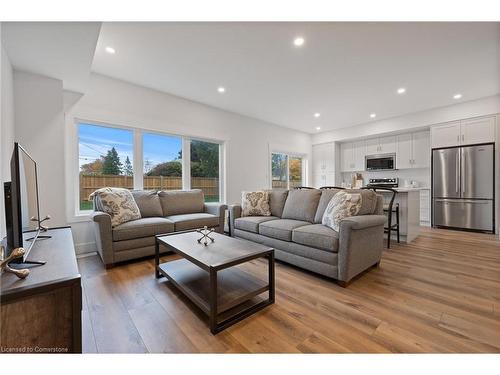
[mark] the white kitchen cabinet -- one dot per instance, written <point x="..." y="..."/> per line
<point x="323" y="160"/>
<point x="359" y="152"/>
<point x="465" y="132"/>
<point x="404" y="153"/>
<point x="372" y="146"/>
<point x="421" y="150"/>
<point x="352" y="155"/>
<point x="478" y="130"/>
<point x="383" y="145"/>
<point x="413" y="150"/>
<point x="446" y="135"/>
<point x="425" y="207"/>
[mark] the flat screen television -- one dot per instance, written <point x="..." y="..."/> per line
<point x="21" y="202"/>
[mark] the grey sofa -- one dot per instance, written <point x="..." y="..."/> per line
<point x="162" y="212"/>
<point x="295" y="231"/>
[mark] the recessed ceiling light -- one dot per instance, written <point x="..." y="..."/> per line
<point x="110" y="50"/>
<point x="401" y="90"/>
<point x="299" y="41"/>
<point x="318" y="127"/>
<point x="457" y="96"/>
<point x="221" y="89"/>
<point x="373" y="115"/>
<point x="317" y="114"/>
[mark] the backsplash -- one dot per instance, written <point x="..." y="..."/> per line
<point x="421" y="175"/>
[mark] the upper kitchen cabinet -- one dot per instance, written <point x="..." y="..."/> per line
<point x="465" y="132"/>
<point x="383" y="145"/>
<point x="352" y="155"/>
<point x="446" y="135"/>
<point x="478" y="130"/>
<point x="413" y="150"/>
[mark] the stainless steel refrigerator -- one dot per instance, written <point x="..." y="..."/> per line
<point x="463" y="187"/>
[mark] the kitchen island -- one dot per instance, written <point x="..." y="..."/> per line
<point x="409" y="212"/>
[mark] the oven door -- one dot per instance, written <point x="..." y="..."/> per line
<point x="380" y="162"/>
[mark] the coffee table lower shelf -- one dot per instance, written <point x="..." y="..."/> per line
<point x="225" y="300"/>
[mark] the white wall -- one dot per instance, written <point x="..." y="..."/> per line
<point x="39" y="128"/>
<point x="116" y="102"/>
<point x="480" y="107"/>
<point x="6" y="127"/>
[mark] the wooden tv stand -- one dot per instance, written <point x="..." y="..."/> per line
<point x="43" y="313"/>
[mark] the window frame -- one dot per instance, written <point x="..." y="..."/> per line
<point x="289" y="155"/>
<point x="138" y="160"/>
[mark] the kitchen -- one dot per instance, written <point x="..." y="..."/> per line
<point x="403" y="161"/>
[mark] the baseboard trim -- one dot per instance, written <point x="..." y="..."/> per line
<point x="85" y="247"/>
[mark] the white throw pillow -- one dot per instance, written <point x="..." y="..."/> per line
<point x="341" y="205"/>
<point x="118" y="203"/>
<point x="255" y="203"/>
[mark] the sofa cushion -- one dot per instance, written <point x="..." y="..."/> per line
<point x="368" y="200"/>
<point x="251" y="223"/>
<point x="281" y="228"/>
<point x="145" y="227"/>
<point x="326" y="197"/>
<point x="342" y="205"/>
<point x="277" y="199"/>
<point x="118" y="203"/>
<point x="255" y="203"/>
<point x="301" y="205"/>
<point x="148" y="202"/>
<point x="175" y="202"/>
<point x="318" y="236"/>
<point x="194" y="221"/>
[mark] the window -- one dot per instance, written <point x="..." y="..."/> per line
<point x="204" y="158"/>
<point x="162" y="159"/>
<point x="286" y="171"/>
<point x="105" y="159"/>
<point x="106" y="156"/>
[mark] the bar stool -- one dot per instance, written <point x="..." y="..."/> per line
<point x="304" y="188"/>
<point x="390" y="208"/>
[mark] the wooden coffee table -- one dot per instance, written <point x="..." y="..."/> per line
<point x="208" y="275"/>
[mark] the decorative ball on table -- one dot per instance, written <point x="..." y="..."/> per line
<point x="205" y="235"/>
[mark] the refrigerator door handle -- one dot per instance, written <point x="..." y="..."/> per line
<point x="457" y="174"/>
<point x="463" y="166"/>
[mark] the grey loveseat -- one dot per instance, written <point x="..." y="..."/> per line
<point x="295" y="231"/>
<point x="162" y="212"/>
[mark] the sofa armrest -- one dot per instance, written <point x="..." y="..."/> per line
<point x="361" y="241"/>
<point x="219" y="210"/>
<point x="234" y="213"/>
<point x="103" y="236"/>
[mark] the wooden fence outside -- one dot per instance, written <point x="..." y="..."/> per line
<point x="90" y="183"/>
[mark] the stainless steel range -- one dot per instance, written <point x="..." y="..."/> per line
<point x="383" y="182"/>
<point x="463" y="188"/>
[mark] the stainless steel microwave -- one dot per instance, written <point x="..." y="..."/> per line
<point x="380" y="162"/>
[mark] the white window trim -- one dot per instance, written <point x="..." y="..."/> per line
<point x="289" y="155"/>
<point x="77" y="215"/>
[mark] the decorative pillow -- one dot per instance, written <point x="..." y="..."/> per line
<point x="118" y="203"/>
<point x="255" y="203"/>
<point x="342" y="205"/>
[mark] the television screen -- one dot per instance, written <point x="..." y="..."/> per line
<point x="25" y="208"/>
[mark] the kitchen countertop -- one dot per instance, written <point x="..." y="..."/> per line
<point x="408" y="189"/>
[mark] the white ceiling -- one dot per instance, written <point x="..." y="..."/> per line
<point x="345" y="71"/>
<point x="62" y="50"/>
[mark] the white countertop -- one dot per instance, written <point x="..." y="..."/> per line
<point x="408" y="189"/>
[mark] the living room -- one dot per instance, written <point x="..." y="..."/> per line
<point x="250" y="187"/>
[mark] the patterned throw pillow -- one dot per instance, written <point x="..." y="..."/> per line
<point x="118" y="203"/>
<point x="341" y="205"/>
<point x="255" y="203"/>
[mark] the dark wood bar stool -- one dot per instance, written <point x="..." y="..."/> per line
<point x="390" y="208"/>
<point x="304" y="188"/>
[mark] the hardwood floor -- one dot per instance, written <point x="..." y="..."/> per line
<point x="441" y="294"/>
